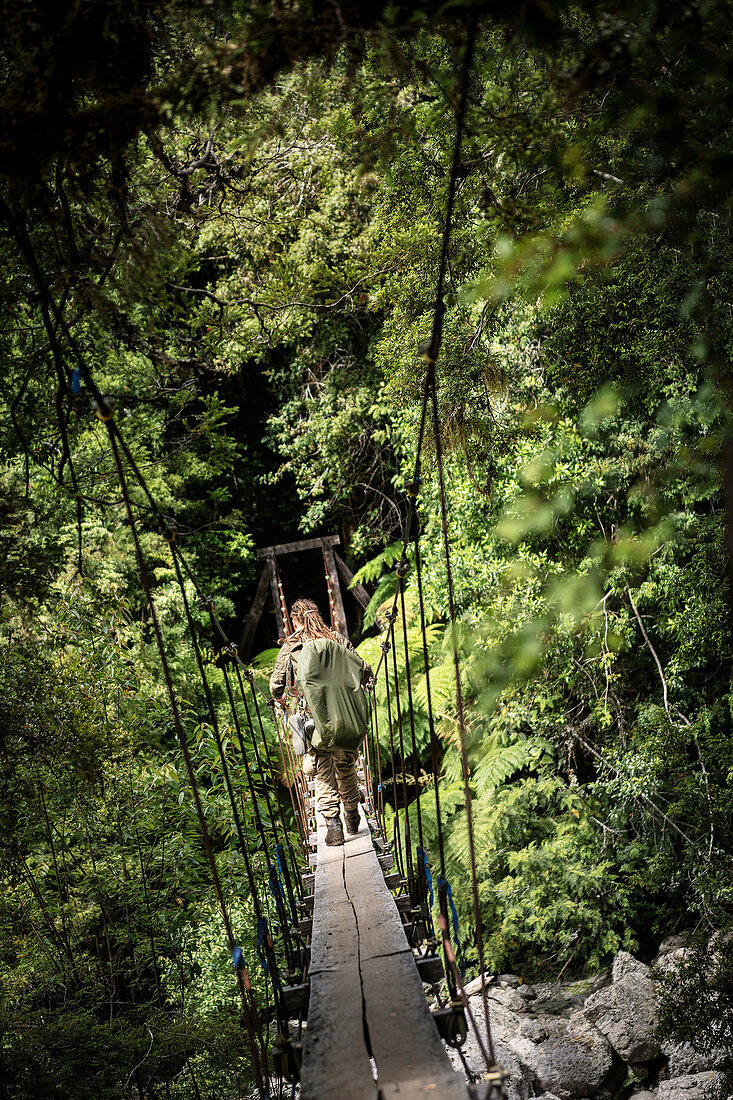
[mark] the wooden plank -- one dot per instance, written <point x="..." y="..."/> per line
<point x="360" y="593"/>
<point x="338" y="603"/>
<point x="335" y="1056"/>
<point x="295" y="547"/>
<point x="409" y="1053"/>
<point x="255" y="614"/>
<point x="366" y="994"/>
<point x="272" y="573"/>
<point x="411" y="1059"/>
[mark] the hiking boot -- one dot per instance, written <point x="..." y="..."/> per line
<point x="297" y="730"/>
<point x="353" y="821"/>
<point x="334" y="832"/>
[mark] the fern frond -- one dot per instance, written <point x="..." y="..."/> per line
<point x="382" y="595"/>
<point x="372" y="570"/>
<point x="499" y="765"/>
<point x="442" y="687"/>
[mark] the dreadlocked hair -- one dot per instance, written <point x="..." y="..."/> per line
<point x="307" y="613"/>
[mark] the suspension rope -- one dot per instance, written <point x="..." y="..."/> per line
<point x="398" y="712"/>
<point x="410" y="706"/>
<point x="279" y="848"/>
<point x="229" y="787"/>
<point x="258" y="1051"/>
<point x="259" y="825"/>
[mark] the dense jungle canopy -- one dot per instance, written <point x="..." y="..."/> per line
<point x="230" y="216"/>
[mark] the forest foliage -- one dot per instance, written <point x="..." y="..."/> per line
<point x="231" y="215"/>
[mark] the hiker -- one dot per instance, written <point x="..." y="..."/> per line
<point x="332" y="681"/>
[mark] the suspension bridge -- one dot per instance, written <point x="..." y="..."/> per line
<point x="356" y="944"/>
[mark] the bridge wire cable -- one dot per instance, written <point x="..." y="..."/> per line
<point x="230" y="649"/>
<point x="208" y="603"/>
<point x="249" y="1004"/>
<point x="259" y="825"/>
<point x="400" y="734"/>
<point x="461" y="721"/>
<point x="431" y="351"/>
<point x="386" y="646"/>
<point x="434" y="747"/>
<point x="279" y="846"/>
<point x="374" y="722"/>
<point x="244" y="848"/>
<point x="410" y="709"/>
<point x="249" y="675"/>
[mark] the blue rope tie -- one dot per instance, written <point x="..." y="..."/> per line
<point x="280" y="852"/>
<point x="444" y="884"/>
<point x="261" y="933"/>
<point x="237" y="958"/>
<point x="76" y="381"/>
<point x="422" y="860"/>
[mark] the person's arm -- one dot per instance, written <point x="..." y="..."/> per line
<point x="279" y="676"/>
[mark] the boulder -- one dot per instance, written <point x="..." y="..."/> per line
<point x="517" y="1086"/>
<point x="508" y="998"/>
<point x="644" y="1096"/>
<point x="551" y="999"/>
<point x="693" y="1086"/>
<point x="672" y="960"/>
<point x="672" y="943"/>
<point x="626" y="1010"/>
<point x="569" y="1058"/>
<point x="686" y="1059"/>
<point x="504" y="1022"/>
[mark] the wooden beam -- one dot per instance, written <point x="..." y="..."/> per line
<point x="338" y="604"/>
<point x="255" y="614"/>
<point x="358" y="590"/>
<point x="295" y="547"/>
<point x="272" y="573"/>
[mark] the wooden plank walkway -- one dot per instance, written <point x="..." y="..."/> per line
<point x="370" y="1035"/>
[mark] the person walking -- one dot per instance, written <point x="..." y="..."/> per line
<point x="329" y="680"/>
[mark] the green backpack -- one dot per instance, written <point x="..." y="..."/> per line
<point x="329" y="676"/>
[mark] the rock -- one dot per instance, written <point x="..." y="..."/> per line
<point x="693" y="1086"/>
<point x="517" y="1086"/>
<point x="644" y="1096"/>
<point x="507" y="998"/>
<point x="547" y="1096"/>
<point x="569" y="1058"/>
<point x="527" y="993"/>
<point x="624" y="964"/>
<point x="510" y="980"/>
<point x="672" y="960"/>
<point x="686" y="1059"/>
<point x="580" y="990"/>
<point x="551" y="998"/>
<point x="626" y="1011"/>
<point x="672" y="943"/>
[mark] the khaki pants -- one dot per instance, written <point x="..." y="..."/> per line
<point x="336" y="781"/>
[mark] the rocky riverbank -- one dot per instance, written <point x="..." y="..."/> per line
<point x="595" y="1039"/>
